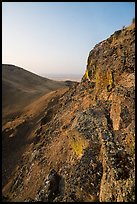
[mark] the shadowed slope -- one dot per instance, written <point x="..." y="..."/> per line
<point x="21" y="87"/>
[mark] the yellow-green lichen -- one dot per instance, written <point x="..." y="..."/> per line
<point x="104" y="80"/>
<point x="87" y="75"/>
<point x="90" y="71"/>
<point x="77" y="147"/>
<point x="110" y="81"/>
<point x="78" y="143"/>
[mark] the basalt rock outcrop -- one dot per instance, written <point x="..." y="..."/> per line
<point x="84" y="144"/>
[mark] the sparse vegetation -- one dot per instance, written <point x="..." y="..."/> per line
<point x="89" y="144"/>
<point x="77" y="146"/>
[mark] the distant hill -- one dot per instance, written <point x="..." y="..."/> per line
<point x="21" y="87"/>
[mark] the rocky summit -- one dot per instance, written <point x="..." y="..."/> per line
<point x="80" y="145"/>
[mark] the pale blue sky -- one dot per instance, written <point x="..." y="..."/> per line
<point x="56" y="37"/>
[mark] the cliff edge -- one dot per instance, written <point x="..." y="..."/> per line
<point x="83" y="146"/>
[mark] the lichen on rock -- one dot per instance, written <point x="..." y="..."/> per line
<point x="87" y="135"/>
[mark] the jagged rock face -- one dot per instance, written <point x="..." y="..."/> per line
<point x="112" y="68"/>
<point x="88" y="136"/>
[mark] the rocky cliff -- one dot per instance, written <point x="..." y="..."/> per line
<point x="83" y="147"/>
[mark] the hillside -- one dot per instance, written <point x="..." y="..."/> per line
<point x="81" y="141"/>
<point x="21" y="87"/>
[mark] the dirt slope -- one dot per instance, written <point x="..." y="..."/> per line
<point x="17" y="134"/>
<point x="21" y="87"/>
<point x="82" y="147"/>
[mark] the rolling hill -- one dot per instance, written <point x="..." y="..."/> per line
<point x="21" y="87"/>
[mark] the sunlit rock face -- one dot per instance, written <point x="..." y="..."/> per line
<point x="111" y="67"/>
<point x="86" y="135"/>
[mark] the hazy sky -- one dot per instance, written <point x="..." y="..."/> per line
<point x="56" y="37"/>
